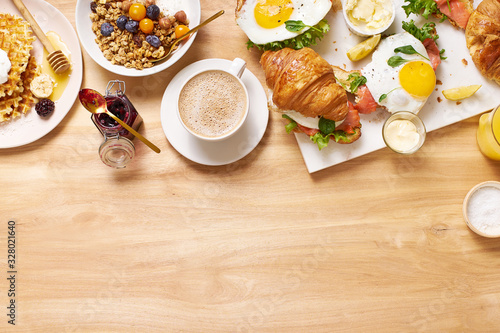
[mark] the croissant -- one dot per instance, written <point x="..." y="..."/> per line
<point x="482" y="36"/>
<point x="303" y="81"/>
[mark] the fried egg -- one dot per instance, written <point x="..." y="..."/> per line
<point x="406" y="86"/>
<point x="263" y="21"/>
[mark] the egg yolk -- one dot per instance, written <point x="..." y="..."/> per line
<point x="270" y="14"/>
<point x="417" y="78"/>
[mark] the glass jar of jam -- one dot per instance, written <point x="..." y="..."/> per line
<point x="117" y="150"/>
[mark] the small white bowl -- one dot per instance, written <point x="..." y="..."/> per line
<point x="465" y="207"/>
<point x="364" y="32"/>
<point x="87" y="38"/>
<point x="415" y="120"/>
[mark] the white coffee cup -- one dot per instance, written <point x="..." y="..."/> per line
<point x="213" y="103"/>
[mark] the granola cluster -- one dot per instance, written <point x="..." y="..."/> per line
<point x="122" y="47"/>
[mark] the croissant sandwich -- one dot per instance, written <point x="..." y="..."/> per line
<point x="483" y="38"/>
<point x="305" y="91"/>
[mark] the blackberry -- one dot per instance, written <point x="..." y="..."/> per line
<point x="132" y="26"/>
<point x="45" y="107"/>
<point x="121" y="22"/>
<point x="153" y="11"/>
<point x="106" y="29"/>
<point x="153" y="40"/>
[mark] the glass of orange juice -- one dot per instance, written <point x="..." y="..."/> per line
<point x="488" y="134"/>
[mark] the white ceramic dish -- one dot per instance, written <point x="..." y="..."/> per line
<point x="452" y="72"/>
<point x="31" y="127"/>
<point x="362" y="32"/>
<point x="471" y="193"/>
<point x="221" y="152"/>
<point x="87" y="38"/>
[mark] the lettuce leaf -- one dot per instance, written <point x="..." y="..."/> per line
<point x="292" y="124"/>
<point x="306" y="39"/>
<point x="322" y="139"/>
<point x="427" y="30"/>
<point x="423" y="7"/>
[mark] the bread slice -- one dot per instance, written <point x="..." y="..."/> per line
<point x="342" y="77"/>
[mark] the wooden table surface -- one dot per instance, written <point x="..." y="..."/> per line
<point x="375" y="244"/>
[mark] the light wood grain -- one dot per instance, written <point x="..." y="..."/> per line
<point x="376" y="244"/>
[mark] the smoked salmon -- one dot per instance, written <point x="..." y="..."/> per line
<point x="433" y="52"/>
<point x="351" y="121"/>
<point x="365" y="102"/>
<point x="460" y="10"/>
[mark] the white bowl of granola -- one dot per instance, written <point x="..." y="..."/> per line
<point x="123" y="58"/>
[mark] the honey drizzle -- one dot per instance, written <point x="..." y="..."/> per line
<point x="60" y="80"/>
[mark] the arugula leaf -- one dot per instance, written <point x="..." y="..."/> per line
<point x="326" y="126"/>
<point x="395" y="61"/>
<point x="441" y="55"/>
<point x="291" y="125"/>
<point x="297" y="26"/>
<point x="306" y="39"/>
<point x="424" y="7"/>
<point x="384" y="96"/>
<point x="408" y="49"/>
<point x="358" y="80"/>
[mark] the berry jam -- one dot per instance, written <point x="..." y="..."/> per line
<point x="118" y="108"/>
<point x="121" y="107"/>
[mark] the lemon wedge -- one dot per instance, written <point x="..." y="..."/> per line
<point x="364" y="48"/>
<point x="459" y="93"/>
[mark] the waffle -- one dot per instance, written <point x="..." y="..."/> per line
<point x="16" y="39"/>
<point x="21" y="100"/>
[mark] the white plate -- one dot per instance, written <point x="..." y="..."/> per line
<point x="87" y="38"/>
<point x="223" y="152"/>
<point x="31" y="127"/>
<point x="451" y="72"/>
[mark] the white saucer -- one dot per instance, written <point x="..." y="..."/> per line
<point x="222" y="152"/>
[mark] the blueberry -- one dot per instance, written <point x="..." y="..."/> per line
<point x="132" y="26"/>
<point x="121" y="22"/>
<point x="106" y="29"/>
<point x="153" y="40"/>
<point x="153" y="11"/>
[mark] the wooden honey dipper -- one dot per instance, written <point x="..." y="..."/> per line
<point x="56" y="58"/>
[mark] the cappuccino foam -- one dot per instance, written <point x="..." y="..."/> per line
<point x="212" y="103"/>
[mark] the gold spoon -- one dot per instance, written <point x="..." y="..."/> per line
<point x="190" y="32"/>
<point x="56" y="58"/>
<point x="94" y="102"/>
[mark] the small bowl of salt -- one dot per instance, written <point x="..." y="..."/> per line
<point x="481" y="209"/>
